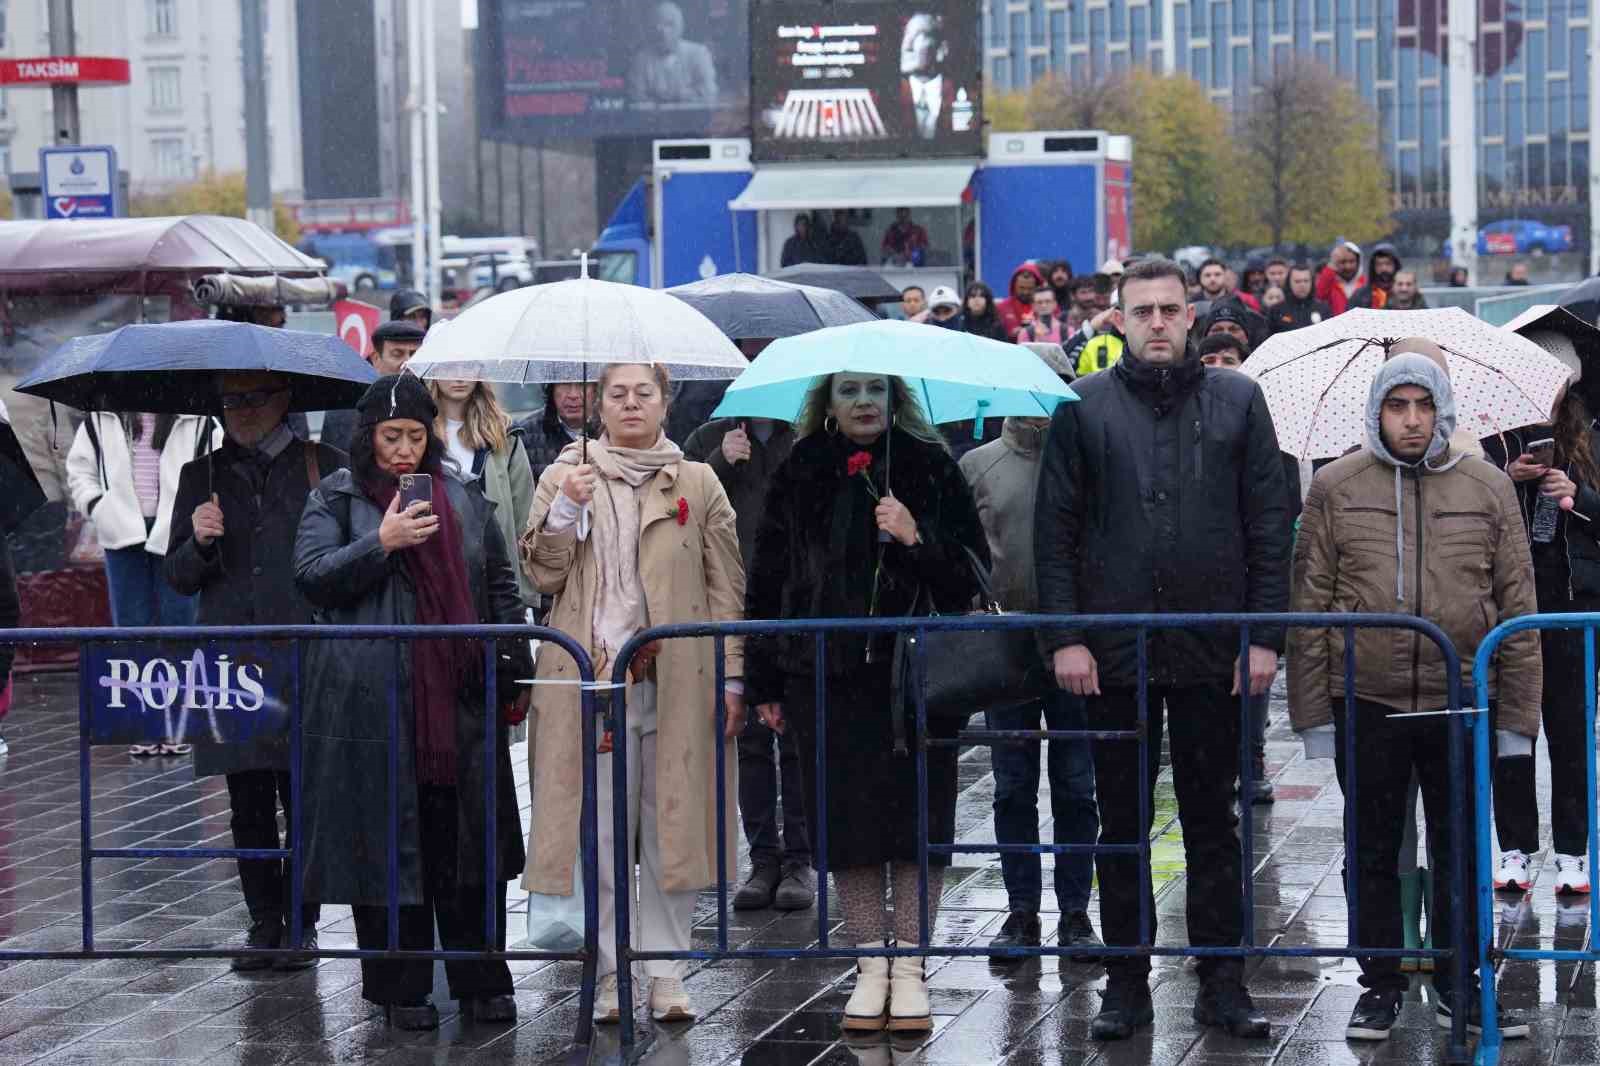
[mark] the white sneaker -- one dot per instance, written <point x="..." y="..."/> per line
<point x="605" y="1001"/>
<point x="1512" y="874"/>
<point x="4" y="747"/>
<point x="1572" y="875"/>
<point x="669" y="1000"/>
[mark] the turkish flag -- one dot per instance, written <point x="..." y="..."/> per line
<point x="356" y="322"/>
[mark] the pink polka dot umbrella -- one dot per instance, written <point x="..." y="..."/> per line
<point x="1316" y="379"/>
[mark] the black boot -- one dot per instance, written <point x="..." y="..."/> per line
<point x="413" y="1017"/>
<point x="1021" y="930"/>
<point x="264" y="933"/>
<point x="1223" y="1001"/>
<point x="501" y="1008"/>
<point x="1124" y="1006"/>
<point x="1078" y="932"/>
<point x="1261" y="787"/>
<point x="757" y="893"/>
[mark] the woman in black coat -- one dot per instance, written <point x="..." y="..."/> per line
<point x="818" y="554"/>
<point x="361" y="560"/>
<point x="978" y="314"/>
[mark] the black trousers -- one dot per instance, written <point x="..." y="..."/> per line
<point x="758" y="797"/>
<point x="1203" y="723"/>
<point x="255" y="796"/>
<point x="458" y="907"/>
<point x="1516" y="810"/>
<point x="1388" y="749"/>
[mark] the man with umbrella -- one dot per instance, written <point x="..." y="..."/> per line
<point x="233" y="532"/>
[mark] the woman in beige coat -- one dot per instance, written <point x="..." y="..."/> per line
<point x="625" y="535"/>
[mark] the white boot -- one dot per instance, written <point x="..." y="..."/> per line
<point x="868" y="1007"/>
<point x="909" y="1010"/>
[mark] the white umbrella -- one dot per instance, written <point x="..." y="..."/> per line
<point x="1316" y="379"/>
<point x="567" y="330"/>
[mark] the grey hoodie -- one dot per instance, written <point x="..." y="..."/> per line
<point x="1409" y="368"/>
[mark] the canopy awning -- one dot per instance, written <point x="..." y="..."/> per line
<point x="842" y="185"/>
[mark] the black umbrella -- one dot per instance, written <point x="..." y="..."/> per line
<point x="20" y="494"/>
<point x="868" y="286"/>
<point x="1583" y="300"/>
<point x="1585" y="338"/>
<point x="172" y="368"/>
<point x="748" y="307"/>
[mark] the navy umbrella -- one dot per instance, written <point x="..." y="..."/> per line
<point x="171" y="368"/>
<point x="749" y="307"/>
<point x="1583" y="300"/>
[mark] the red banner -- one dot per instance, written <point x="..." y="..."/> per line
<point x="356" y="323"/>
<point x="45" y="71"/>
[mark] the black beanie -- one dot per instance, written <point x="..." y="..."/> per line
<point x="397" y="396"/>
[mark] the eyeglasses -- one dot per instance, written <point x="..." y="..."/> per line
<point x="253" y="400"/>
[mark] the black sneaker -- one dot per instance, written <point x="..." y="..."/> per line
<point x="308" y="946"/>
<point x="1021" y="930"/>
<point x="757" y="893"/>
<point x="1512" y="1026"/>
<point x="1374" y="1015"/>
<point x="1223" y="1001"/>
<point x="266" y="933"/>
<point x="1124" y="1006"/>
<point x="1077" y="932"/>
<point x="1260" y="785"/>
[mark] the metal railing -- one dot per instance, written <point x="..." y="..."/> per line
<point x="1460" y="960"/>
<point x="190" y="637"/>
<point x="1489" y="953"/>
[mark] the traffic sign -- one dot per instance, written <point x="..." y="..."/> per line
<point x="83" y="71"/>
<point x="79" y="181"/>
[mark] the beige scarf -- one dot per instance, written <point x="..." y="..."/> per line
<point x="625" y="475"/>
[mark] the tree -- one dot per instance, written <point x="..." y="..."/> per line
<point x="1183" y="159"/>
<point x="1310" y="160"/>
<point x="214" y="194"/>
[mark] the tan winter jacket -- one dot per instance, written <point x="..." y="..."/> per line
<point x="1462" y="561"/>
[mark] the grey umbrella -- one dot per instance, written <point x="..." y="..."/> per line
<point x="868" y="286"/>
<point x="749" y="307"/>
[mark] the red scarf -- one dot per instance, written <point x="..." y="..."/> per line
<point x="440" y="669"/>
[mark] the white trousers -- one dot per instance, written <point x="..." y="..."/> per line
<point x="659" y="920"/>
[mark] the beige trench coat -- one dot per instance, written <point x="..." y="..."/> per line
<point x="692" y="573"/>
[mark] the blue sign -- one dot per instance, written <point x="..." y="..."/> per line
<point x="145" y="692"/>
<point x="79" y="181"/>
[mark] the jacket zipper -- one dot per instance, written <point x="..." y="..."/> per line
<point x="1416" y="637"/>
<point x="1199" y="453"/>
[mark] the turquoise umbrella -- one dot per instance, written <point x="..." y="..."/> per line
<point x="955" y="375"/>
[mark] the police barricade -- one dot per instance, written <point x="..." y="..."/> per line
<point x="236" y="684"/>
<point x="1489" y="952"/>
<point x="1462" y="961"/>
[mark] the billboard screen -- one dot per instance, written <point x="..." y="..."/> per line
<point x="597" y="68"/>
<point x="865" y="79"/>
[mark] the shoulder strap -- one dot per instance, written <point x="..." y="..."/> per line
<point x="313" y="466"/>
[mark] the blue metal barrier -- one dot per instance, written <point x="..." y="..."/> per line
<point x="1461" y="960"/>
<point x="87" y="639"/>
<point x="1489" y="1044"/>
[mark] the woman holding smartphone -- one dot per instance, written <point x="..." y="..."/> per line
<point x="395" y="540"/>
<point x="1557" y="474"/>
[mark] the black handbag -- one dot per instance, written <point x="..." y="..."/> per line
<point x="966" y="670"/>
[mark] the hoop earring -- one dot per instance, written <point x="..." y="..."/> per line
<point x="826" y="428"/>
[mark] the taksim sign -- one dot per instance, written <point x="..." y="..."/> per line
<point x="86" y="71"/>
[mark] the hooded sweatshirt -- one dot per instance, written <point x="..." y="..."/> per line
<point x="1012" y="310"/>
<point x="1373" y="294"/>
<point x="1439" y="538"/>
<point x="1335" y="291"/>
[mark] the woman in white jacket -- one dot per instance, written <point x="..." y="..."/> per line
<point x="122" y="472"/>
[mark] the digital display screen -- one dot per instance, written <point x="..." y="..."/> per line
<point x="864" y="79"/>
<point x="595" y="68"/>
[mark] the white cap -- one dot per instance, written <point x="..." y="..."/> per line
<point x="944" y="296"/>
<point x="1111" y="266"/>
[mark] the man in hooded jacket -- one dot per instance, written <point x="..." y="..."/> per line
<point x="1339" y="281"/>
<point x="1177" y="465"/>
<point x="1382" y="266"/>
<point x="1300" y="307"/>
<point x="1017" y="308"/>
<point x="1411" y="526"/>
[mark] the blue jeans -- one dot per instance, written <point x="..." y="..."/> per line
<point x="1072" y="802"/>
<point x="140" y="595"/>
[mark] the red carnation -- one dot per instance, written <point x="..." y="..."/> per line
<point x="683" y="511"/>
<point x="858" y="463"/>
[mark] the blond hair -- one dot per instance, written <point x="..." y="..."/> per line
<point x="484" y="423"/>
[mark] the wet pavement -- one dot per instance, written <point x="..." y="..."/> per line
<point x="763" y="1013"/>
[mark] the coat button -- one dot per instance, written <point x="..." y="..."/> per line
<point x="256" y="570"/>
<point x="1162" y="496"/>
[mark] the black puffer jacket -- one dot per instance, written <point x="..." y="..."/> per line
<point x="1577" y="541"/>
<point x="1162" y="491"/>
<point x="341" y="568"/>
<point x="543" y="435"/>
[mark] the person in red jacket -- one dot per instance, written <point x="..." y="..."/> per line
<point x="1016" y="310"/>
<point x="1339" y="280"/>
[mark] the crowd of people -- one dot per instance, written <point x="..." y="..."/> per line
<point x="592" y="516"/>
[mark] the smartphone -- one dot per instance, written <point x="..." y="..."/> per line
<point x="1543" y="450"/>
<point x="415" y="487"/>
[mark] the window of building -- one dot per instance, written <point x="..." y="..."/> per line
<point x="1140" y="32"/>
<point x="1076" y="13"/>
<point x="1180" y="15"/>
<point x="1036" y="22"/>
<point x="1364" y="60"/>
<point x="1556" y="153"/>
<point x="1119" y="20"/>
<point x="1324" y="51"/>
<point x="1578" y="91"/>
<point x="1199" y="65"/>
<point x="1494" y="166"/>
<point x="1080" y="68"/>
<point x="1345" y="35"/>
<point x="1097" y="43"/>
<point x="1241" y="70"/>
<point x="1219" y="37"/>
<point x="1537" y="179"/>
<point x="1241" y="17"/>
<point x="1538" y="90"/>
<point x="1324" y="16"/>
<point x="1119" y="61"/>
<point x="997" y="26"/>
<point x="1036" y="68"/>
<point x="3" y="14"/>
<point x="1155" y="19"/>
<point x="1578" y="174"/>
<point x="167" y="156"/>
<point x="1492" y="120"/>
<point x="1515" y="129"/>
<point x="1386" y="45"/>
<point x="1558" y="44"/>
<point x="1018" y="45"/>
<point x="1302" y="26"/>
<point x="1364" y="14"/>
<point x="1002" y="72"/>
<point x="1058" y="40"/>
<point x="163" y="17"/>
<point x="1280" y="15"/>
<point x="166" y="88"/>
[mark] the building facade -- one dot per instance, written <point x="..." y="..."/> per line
<point x="182" y="116"/>
<point x="1532" y="87"/>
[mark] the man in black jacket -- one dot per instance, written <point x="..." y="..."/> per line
<point x="1162" y="491"/>
<point x="233" y="529"/>
<point x="1300" y="307"/>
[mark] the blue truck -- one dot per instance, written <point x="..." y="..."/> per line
<point x="707" y="208"/>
